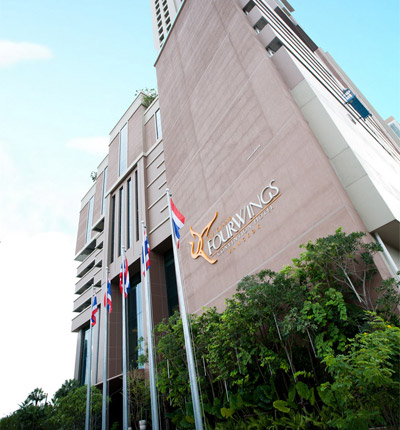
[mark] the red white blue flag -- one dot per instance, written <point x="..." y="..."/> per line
<point x="145" y="253"/>
<point x="94" y="311"/>
<point x="107" y="296"/>
<point x="124" y="284"/>
<point x="178" y="221"/>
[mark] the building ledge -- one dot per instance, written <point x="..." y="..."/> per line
<point x="390" y="234"/>
<point x="86" y="250"/>
<point x="90" y="262"/>
<point x="80" y="320"/>
<point x="98" y="226"/>
<point x="92" y="277"/>
<point x="83" y="301"/>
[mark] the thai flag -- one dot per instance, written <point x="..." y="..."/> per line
<point x="94" y="311"/>
<point x="178" y="221"/>
<point x="107" y="296"/>
<point x="124" y="284"/>
<point x="145" y="253"/>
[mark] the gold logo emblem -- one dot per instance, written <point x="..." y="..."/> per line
<point x="199" y="251"/>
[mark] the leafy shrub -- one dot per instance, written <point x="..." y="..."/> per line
<point x="289" y="350"/>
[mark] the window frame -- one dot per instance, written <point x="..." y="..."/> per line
<point x="112" y="239"/>
<point x="103" y="197"/>
<point x="89" y="221"/>
<point x="121" y="221"/>
<point x="158" y="125"/>
<point x="129" y="213"/>
<point x="123" y="150"/>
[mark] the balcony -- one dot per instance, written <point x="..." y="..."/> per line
<point x="84" y="267"/>
<point x="98" y="258"/>
<point x="83" y="301"/>
<point x="93" y="276"/>
<point x="94" y="259"/>
<point x="353" y="100"/>
<point x="80" y="320"/>
<point x="100" y="240"/>
<point x="86" y="250"/>
<point x="99" y="225"/>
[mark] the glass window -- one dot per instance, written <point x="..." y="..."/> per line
<point x="170" y="279"/>
<point x="89" y="221"/>
<point x="84" y="357"/>
<point x="112" y="229"/>
<point x="158" y="125"/>
<point x="395" y="128"/>
<point x="121" y="221"/>
<point x="135" y="322"/>
<point x="139" y="318"/>
<point x="129" y="215"/>
<point x="103" y="199"/>
<point x="123" y="149"/>
<point x="137" y="205"/>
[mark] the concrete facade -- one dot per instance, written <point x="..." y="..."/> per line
<point x="163" y="13"/>
<point x="243" y="117"/>
<point x="261" y="151"/>
<point x="121" y="200"/>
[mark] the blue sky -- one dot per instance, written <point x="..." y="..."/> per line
<point x="68" y="71"/>
<point x="363" y="36"/>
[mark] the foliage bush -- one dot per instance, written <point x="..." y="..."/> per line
<point x="139" y="396"/>
<point x="149" y="95"/>
<point x="303" y="348"/>
<point x="66" y="411"/>
<point x="69" y="412"/>
<point x="309" y="347"/>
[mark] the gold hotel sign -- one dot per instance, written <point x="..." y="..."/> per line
<point x="235" y="229"/>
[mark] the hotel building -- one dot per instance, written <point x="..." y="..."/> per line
<point x="265" y="144"/>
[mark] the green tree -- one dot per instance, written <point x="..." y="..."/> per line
<point x="149" y="95"/>
<point x="66" y="412"/>
<point x="10" y="422"/>
<point x="365" y="389"/>
<point x="35" y="398"/>
<point x="33" y="413"/>
<point x="139" y="395"/>
<point x="289" y="350"/>
<point x="70" y="409"/>
<point x="66" y="388"/>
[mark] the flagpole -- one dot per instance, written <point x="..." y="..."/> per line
<point x="188" y="343"/>
<point x="105" y="351"/>
<point x="124" y="356"/>
<point x="89" y="369"/>
<point x="149" y="327"/>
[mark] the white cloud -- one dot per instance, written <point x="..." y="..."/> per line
<point x="47" y="204"/>
<point x="37" y="244"/>
<point x="38" y="277"/>
<point x="97" y="145"/>
<point x="16" y="52"/>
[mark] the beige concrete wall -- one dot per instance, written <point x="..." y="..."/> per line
<point x="157" y="211"/>
<point x="146" y="157"/>
<point x="366" y="170"/>
<point x="230" y="126"/>
<point x="113" y="162"/>
<point x="80" y="241"/>
<point x="114" y="332"/>
<point x="158" y="288"/>
<point x="98" y="198"/>
<point x="150" y="134"/>
<point x="135" y="135"/>
<point x="151" y="178"/>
